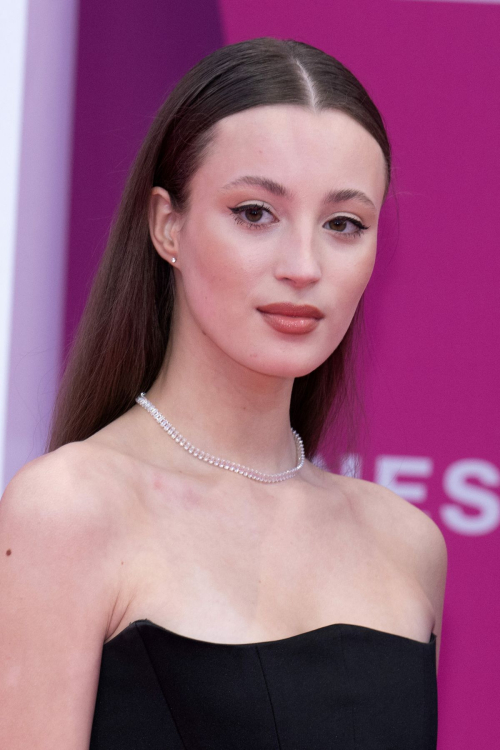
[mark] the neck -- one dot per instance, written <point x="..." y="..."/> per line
<point x="224" y="408"/>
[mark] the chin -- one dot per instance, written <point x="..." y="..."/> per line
<point x="286" y="366"/>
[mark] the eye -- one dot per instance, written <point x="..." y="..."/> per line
<point x="254" y="212"/>
<point x="347" y="226"/>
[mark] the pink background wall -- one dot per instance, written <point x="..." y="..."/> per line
<point x="432" y="306"/>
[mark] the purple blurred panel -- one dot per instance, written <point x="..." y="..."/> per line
<point x="130" y="55"/>
<point x="43" y="205"/>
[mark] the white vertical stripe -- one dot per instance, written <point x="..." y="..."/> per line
<point x="38" y="286"/>
<point x="13" y="34"/>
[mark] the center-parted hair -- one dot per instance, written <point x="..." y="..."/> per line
<point x="122" y="337"/>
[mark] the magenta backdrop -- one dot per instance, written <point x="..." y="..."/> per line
<point x="432" y="306"/>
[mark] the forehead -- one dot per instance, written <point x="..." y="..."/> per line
<point x="304" y="150"/>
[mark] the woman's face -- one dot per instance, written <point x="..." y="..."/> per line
<point x="284" y="209"/>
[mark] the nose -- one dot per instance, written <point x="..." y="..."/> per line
<point x="298" y="261"/>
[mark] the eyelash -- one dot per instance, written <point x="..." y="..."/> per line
<point x="240" y="209"/>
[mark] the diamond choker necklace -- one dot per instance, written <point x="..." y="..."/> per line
<point x="259" y="476"/>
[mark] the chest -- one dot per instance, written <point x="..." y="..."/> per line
<point x="226" y="569"/>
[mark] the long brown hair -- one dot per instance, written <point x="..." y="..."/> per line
<point x="122" y="337"/>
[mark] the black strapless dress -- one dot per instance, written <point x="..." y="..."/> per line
<point x="339" y="687"/>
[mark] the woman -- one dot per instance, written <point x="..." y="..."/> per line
<point x="179" y="575"/>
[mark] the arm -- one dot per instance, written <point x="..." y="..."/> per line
<point x="55" y="603"/>
<point x="431" y="559"/>
<point x="411" y="538"/>
<point x="419" y="545"/>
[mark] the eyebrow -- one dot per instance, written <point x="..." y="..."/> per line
<point x="334" y="196"/>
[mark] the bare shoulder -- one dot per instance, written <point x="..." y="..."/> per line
<point x="57" y="551"/>
<point x="62" y="507"/>
<point x="406" y="531"/>
<point x="388" y="512"/>
<point x="57" y="526"/>
<point x="59" y="495"/>
<point x="59" y="482"/>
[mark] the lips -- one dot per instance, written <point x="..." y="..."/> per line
<point x="291" y="310"/>
<point x="286" y="317"/>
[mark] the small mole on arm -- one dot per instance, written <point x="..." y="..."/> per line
<point x="9" y="552"/>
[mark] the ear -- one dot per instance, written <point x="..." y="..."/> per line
<point x="164" y="225"/>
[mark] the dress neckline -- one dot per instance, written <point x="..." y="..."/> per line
<point x="323" y="629"/>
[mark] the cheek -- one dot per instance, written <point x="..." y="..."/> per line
<point x="364" y="269"/>
<point x="217" y="275"/>
<point x="352" y="277"/>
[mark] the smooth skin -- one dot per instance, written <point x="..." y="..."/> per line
<point x="126" y="525"/>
